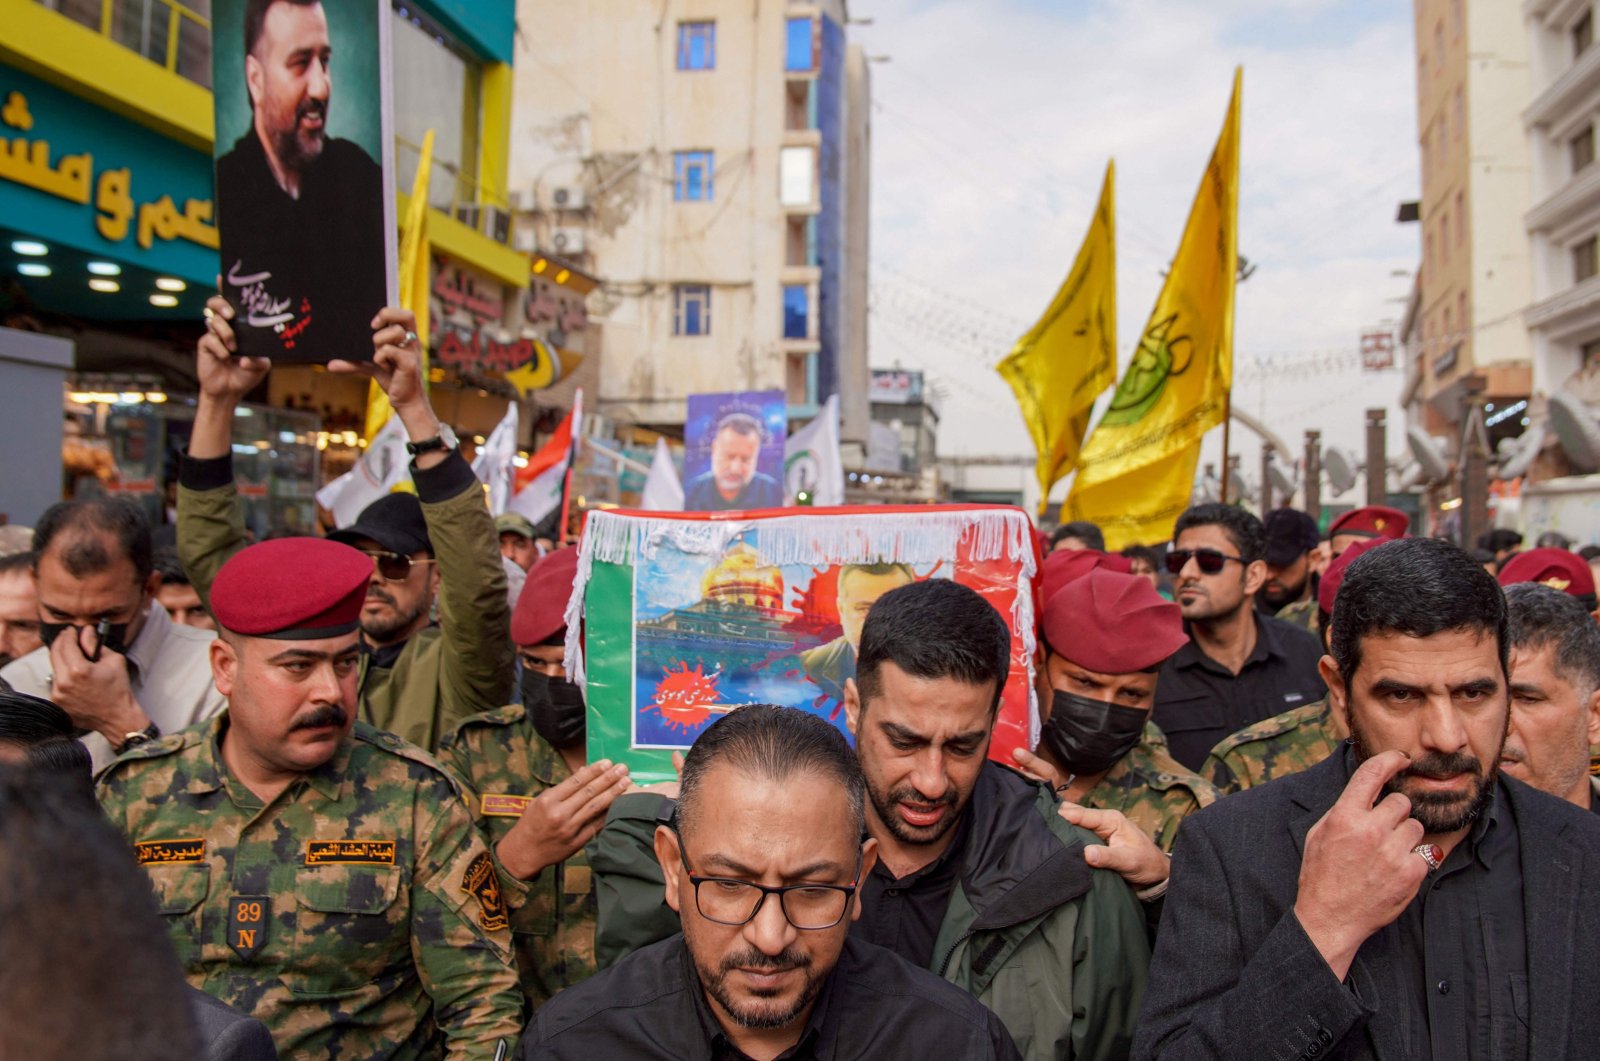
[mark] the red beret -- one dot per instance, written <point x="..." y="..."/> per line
<point x="542" y="608"/>
<point x="292" y="589"/>
<point x="1113" y="623"/>
<point x="1373" y="521"/>
<point x="1069" y="565"/>
<point x="1557" y="568"/>
<point x="1333" y="578"/>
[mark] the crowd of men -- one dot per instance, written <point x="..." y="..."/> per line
<point x="342" y="808"/>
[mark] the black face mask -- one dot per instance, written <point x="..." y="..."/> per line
<point x="115" y="639"/>
<point x="555" y="707"/>
<point x="1089" y="736"/>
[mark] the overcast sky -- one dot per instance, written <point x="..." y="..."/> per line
<point x="992" y="124"/>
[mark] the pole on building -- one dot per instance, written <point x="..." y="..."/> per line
<point x="1266" y="479"/>
<point x="1474" y="465"/>
<point x="1227" y="424"/>
<point x="1377" y="456"/>
<point x="1313" y="483"/>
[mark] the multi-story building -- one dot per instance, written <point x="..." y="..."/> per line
<point x="709" y="160"/>
<point x="1472" y="83"/>
<point x="1564" y="319"/>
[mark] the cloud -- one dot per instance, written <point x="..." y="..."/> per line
<point x="992" y="124"/>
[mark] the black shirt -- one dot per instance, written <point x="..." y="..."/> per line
<point x="1464" y="949"/>
<point x="323" y="255"/>
<point x="872" y="1005"/>
<point x="1199" y="701"/>
<point x="904" y="913"/>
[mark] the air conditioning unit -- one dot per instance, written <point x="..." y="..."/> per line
<point x="469" y="214"/>
<point x="496" y="224"/>
<point x="569" y="197"/>
<point x="567" y="241"/>
<point x="524" y="241"/>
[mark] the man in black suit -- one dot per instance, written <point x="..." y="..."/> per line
<point x="1403" y="899"/>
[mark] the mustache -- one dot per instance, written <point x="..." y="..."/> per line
<point x="788" y="958"/>
<point x="1437" y="766"/>
<point x="911" y="795"/>
<point x="376" y="592"/>
<point x="311" y="108"/>
<point x="326" y="715"/>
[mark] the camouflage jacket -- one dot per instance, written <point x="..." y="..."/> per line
<point x="1302" y="614"/>
<point x="1283" y="744"/>
<point x="1152" y="789"/>
<point x="504" y="764"/>
<point x="357" y="915"/>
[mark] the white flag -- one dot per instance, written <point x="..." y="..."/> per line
<point x="663" y="490"/>
<point x="541" y="484"/>
<point x="494" y="463"/>
<point x="380" y="469"/>
<point x="811" y="459"/>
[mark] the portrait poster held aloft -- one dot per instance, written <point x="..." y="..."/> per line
<point x="733" y="451"/>
<point x="677" y="618"/>
<point x="305" y="166"/>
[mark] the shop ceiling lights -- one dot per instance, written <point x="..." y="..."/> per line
<point x="33" y="269"/>
<point x="171" y="283"/>
<point x="32" y="248"/>
<point x="104" y="286"/>
<point x="105" y="268"/>
<point x="164" y="301"/>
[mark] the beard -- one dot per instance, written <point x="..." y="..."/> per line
<point x="885" y="806"/>
<point x="382" y="631"/>
<point x="1440" y="813"/>
<point x="765" y="1010"/>
<point x="296" y="149"/>
<point x="1288" y="594"/>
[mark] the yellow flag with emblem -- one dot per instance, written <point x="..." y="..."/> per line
<point x="1069" y="357"/>
<point x="413" y="281"/>
<point x="1136" y="472"/>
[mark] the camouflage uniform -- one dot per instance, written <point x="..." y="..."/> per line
<point x="504" y="764"/>
<point x="1302" y="614"/>
<point x="1152" y="789"/>
<point x="1283" y="744"/>
<point x="357" y="915"/>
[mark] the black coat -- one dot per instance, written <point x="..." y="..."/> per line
<point x="1235" y="976"/>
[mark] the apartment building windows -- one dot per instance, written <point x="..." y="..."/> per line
<point x="691" y="309"/>
<point x="1444" y="237"/>
<point x="1585" y="260"/>
<point x="796" y="311"/>
<point x="800" y="47"/>
<point x="692" y="175"/>
<point x="1458" y="111"/>
<point x="1461" y="219"/>
<point x="1461" y="315"/>
<point x="697" y="46"/>
<point x="1581" y="148"/>
<point x="1582" y="33"/>
<point x="797" y="176"/>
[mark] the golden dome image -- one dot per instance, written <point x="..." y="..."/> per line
<point x="743" y="577"/>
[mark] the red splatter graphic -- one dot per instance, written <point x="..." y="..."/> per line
<point x="684" y="698"/>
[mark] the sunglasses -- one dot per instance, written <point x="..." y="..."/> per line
<point x="395" y="567"/>
<point x="1210" y="561"/>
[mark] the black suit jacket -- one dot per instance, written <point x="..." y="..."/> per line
<point x="1235" y="976"/>
<point x="226" y="1034"/>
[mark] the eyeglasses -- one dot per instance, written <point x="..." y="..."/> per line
<point x="1210" y="561"/>
<point x="809" y="907"/>
<point x="395" y="567"/>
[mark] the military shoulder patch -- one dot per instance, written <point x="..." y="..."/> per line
<point x="504" y="804"/>
<point x="248" y="919"/>
<point x="350" y="852"/>
<point x="483" y="884"/>
<point x="167" y="852"/>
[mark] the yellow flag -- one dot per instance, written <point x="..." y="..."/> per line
<point x="1064" y="363"/>
<point x="413" y="280"/>
<point x="1136" y="471"/>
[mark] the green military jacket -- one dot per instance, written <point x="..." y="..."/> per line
<point x="1152" y="789"/>
<point x="357" y="915"/>
<point x="1283" y="744"/>
<point x="1302" y="614"/>
<point x="1057" y="950"/>
<point x="461" y="667"/>
<point x="504" y="765"/>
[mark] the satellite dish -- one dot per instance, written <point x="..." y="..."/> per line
<point x="1430" y="460"/>
<point x="1283" y="482"/>
<point x="1518" y="454"/>
<point x="1341" y="468"/>
<point x="1574" y="425"/>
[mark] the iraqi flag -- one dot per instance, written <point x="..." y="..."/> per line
<point x="538" y="486"/>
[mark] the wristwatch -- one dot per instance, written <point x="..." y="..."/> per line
<point x="444" y="440"/>
<point x="138" y="737"/>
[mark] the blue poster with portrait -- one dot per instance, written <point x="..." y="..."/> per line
<point x="733" y="451"/>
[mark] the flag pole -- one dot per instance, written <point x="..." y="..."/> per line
<point x="1227" y="425"/>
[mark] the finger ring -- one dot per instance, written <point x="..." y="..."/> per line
<point x="410" y="339"/>
<point x="1430" y="854"/>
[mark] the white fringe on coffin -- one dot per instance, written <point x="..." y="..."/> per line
<point x="820" y="540"/>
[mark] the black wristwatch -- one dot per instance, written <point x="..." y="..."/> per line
<point x="444" y="440"/>
<point x="133" y="740"/>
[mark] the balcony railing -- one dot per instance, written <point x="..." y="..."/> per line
<point x="172" y="34"/>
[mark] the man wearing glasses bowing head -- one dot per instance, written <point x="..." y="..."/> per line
<point x="1239" y="666"/>
<point x="417" y="679"/>
<point x="762" y="861"/>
